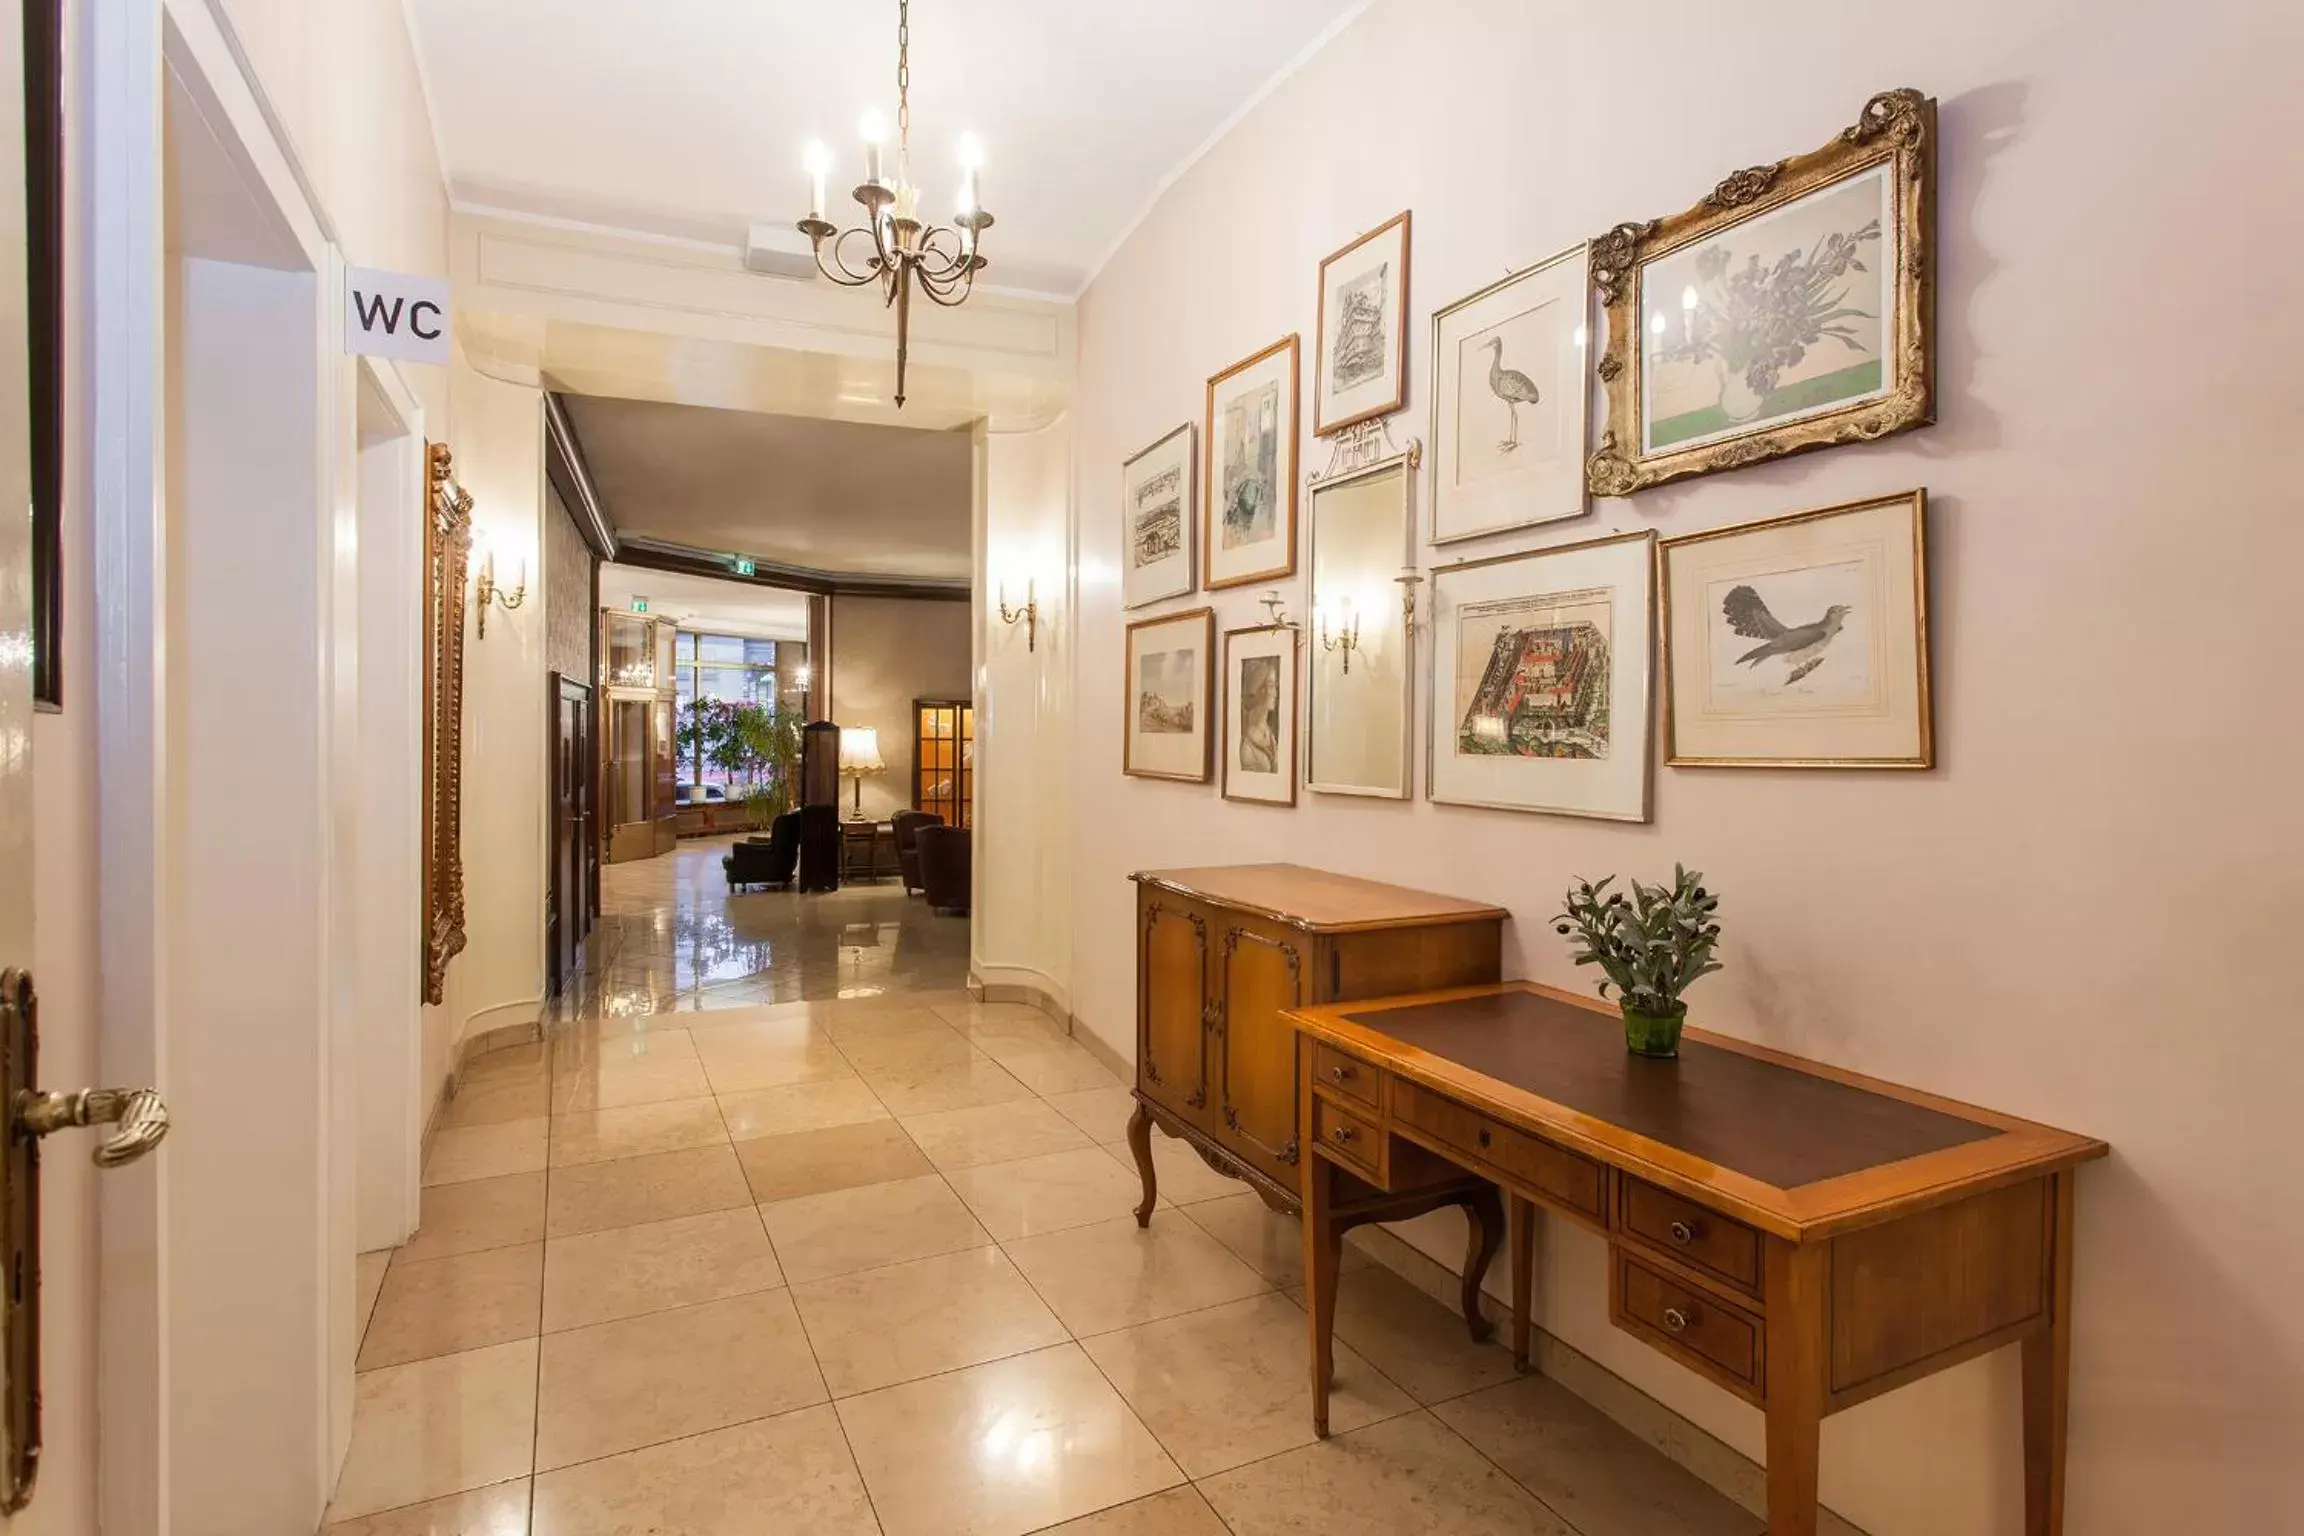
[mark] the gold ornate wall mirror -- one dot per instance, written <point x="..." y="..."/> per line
<point x="447" y="559"/>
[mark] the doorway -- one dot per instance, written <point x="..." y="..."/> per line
<point x="574" y="871"/>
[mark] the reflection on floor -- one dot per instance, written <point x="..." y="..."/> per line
<point x="712" y="1265"/>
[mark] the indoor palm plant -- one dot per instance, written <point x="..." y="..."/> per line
<point x="1652" y="943"/>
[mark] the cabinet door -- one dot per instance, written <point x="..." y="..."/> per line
<point x="1261" y="970"/>
<point x="1172" y="989"/>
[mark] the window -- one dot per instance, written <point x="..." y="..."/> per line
<point x="944" y="758"/>
<point x="726" y="669"/>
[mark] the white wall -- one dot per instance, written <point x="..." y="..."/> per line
<point x="886" y="652"/>
<point x="2081" y="914"/>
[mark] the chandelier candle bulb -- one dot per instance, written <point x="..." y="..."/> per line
<point x="874" y="130"/>
<point x="819" y="163"/>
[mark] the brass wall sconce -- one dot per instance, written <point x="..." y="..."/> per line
<point x="1345" y="639"/>
<point x="486" y="594"/>
<point x="1028" y="615"/>
<point x="1275" y="610"/>
<point x="1410" y="579"/>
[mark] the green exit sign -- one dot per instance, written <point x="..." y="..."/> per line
<point x="639" y="605"/>
<point x="744" y="567"/>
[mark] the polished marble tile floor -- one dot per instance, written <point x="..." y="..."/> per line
<point x="866" y="1265"/>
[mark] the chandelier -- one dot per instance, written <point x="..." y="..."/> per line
<point x="893" y="248"/>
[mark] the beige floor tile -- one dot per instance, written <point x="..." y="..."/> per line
<point x="1405" y="1474"/>
<point x="1594" y="1473"/>
<point x="744" y="1057"/>
<point x="919" y="1047"/>
<point x="1268" y="1241"/>
<point x="1101" y="1112"/>
<point x="640" y="1082"/>
<point x="1413" y="1339"/>
<point x="1049" y="1193"/>
<point x="527" y="1060"/>
<point x="903" y="1321"/>
<point x="1232" y="1384"/>
<point x="515" y="1096"/>
<point x="1005" y="1021"/>
<point x="819" y="1010"/>
<point x="461" y="1153"/>
<point x="838" y="1157"/>
<point x="800" y="1107"/>
<point x="628" y="1271"/>
<point x="482" y="1213"/>
<point x="633" y="1190"/>
<point x="1178" y="1512"/>
<point x="501" y="1510"/>
<point x="993" y="1133"/>
<point x="1116" y="1274"/>
<point x="1002" y="1449"/>
<point x="1057" y="1069"/>
<point x="437" y="1427"/>
<point x="447" y="1306"/>
<point x="791" y="1473"/>
<point x="879" y="1019"/>
<point x="636" y="1130"/>
<point x="645" y="1380"/>
<point x="846" y="1230"/>
<point x="935" y="1087"/>
<point x="619" y="1045"/>
<point x="367" y="1283"/>
<point x="1182" y="1178"/>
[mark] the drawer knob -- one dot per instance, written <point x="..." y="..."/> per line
<point x="1344" y="1133"/>
<point x="1677" y="1321"/>
<point x="1485" y="1138"/>
<point x="1683" y="1232"/>
<point x="1342" y="1074"/>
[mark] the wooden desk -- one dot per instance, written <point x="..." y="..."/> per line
<point x="1805" y="1237"/>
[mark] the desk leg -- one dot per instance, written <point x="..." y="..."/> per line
<point x="1796" y="1289"/>
<point x="1521" y="1216"/>
<point x="1322" y="1249"/>
<point x="2047" y="1381"/>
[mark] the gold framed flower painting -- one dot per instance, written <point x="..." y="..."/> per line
<point x="1793" y="308"/>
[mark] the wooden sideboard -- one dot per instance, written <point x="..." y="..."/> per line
<point x="1805" y="1237"/>
<point x="1221" y="954"/>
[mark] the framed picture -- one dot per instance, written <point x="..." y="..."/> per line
<point x="1357" y="715"/>
<point x="1362" y="367"/>
<point x="1801" y="641"/>
<point x="1793" y="308"/>
<point x="1251" y="500"/>
<point x="1260" y="714"/>
<point x="1540" y="667"/>
<point x="1171" y="684"/>
<point x="1158" y="488"/>
<point x="1510" y="407"/>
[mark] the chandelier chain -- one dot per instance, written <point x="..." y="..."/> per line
<point x="903" y="81"/>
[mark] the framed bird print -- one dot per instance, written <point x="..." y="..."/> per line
<point x="1171" y="689"/>
<point x="1510" y="408"/>
<point x="1793" y="308"/>
<point x="1801" y="641"/>
<point x="1540" y="674"/>
<point x="1361" y="367"/>
<point x="1260" y="714"/>
<point x="1250" y="437"/>
<point x="1156" y="493"/>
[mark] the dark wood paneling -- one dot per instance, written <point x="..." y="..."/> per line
<point x="1174" y="981"/>
<point x="1260" y="973"/>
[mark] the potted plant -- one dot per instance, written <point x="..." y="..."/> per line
<point x="1652" y="943"/>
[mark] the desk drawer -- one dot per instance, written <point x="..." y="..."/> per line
<point x="1704" y="1332"/>
<point x="1350" y="1140"/>
<point x="1568" y="1179"/>
<point x="1701" y="1239"/>
<point x="1348" y="1076"/>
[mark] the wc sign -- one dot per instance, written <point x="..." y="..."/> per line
<point x="395" y="314"/>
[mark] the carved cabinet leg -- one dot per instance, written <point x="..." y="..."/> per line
<point x="1140" y="1143"/>
<point x="1486" y="1214"/>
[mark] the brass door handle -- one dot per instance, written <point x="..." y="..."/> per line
<point x="140" y="1113"/>
<point x="1684" y="1232"/>
<point x="1678" y="1321"/>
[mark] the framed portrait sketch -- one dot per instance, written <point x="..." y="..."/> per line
<point x="1260" y="714"/>
<point x="1801" y="641"/>
<point x="1362" y="363"/>
<point x="1540" y="668"/>
<point x="1510" y="406"/>
<point x="1793" y="308"/>
<point x="1171" y="687"/>
<point x="1251" y="447"/>
<point x="1357" y="721"/>
<point x="1159" y="527"/>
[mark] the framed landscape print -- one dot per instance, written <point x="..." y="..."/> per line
<point x="1158" y="520"/>
<point x="1361" y="366"/>
<point x="1802" y="641"/>
<point x="1357" y="710"/>
<point x="1259" y="755"/>
<point x="1510" y="407"/>
<point x="1793" y="308"/>
<point x="1171" y="677"/>
<point x="1540" y="668"/>
<point x="1251" y="497"/>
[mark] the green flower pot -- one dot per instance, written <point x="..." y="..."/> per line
<point x="1648" y="1034"/>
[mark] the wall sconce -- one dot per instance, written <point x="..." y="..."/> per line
<point x="1275" y="611"/>
<point x="1410" y="579"/>
<point x="485" y="592"/>
<point x="1028" y="615"/>
<point x="1347" y="635"/>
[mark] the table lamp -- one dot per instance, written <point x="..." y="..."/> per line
<point x="859" y="760"/>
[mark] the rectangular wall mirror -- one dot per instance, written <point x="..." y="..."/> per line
<point x="1356" y="719"/>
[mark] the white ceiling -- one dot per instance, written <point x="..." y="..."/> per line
<point x="688" y="117"/>
<point x="700" y="603"/>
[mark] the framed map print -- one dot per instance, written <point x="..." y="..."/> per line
<point x="1251" y="448"/>
<point x="1361" y="362"/>
<point x="1801" y="641"/>
<point x="1158" y="520"/>
<point x="1510" y="406"/>
<point x="1259" y="739"/>
<point x="1171" y="676"/>
<point x="1540" y="669"/>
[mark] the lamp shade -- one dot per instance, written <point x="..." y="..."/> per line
<point x="860" y="751"/>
